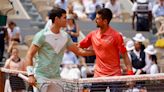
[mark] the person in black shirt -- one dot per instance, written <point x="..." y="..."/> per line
<point x="3" y="37"/>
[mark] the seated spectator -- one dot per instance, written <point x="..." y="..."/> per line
<point x="154" y="67"/>
<point x="142" y="12"/>
<point x="78" y="8"/>
<point x="149" y="51"/>
<point x="61" y="4"/>
<point x="114" y="6"/>
<point x="70" y="64"/>
<point x="15" y="63"/>
<point x="151" y="59"/>
<point x="138" y="55"/>
<point x="158" y="13"/>
<point x="72" y="28"/>
<point x="161" y="31"/>
<point x="87" y="70"/>
<point x="90" y="9"/>
<point x="129" y="47"/>
<point x="140" y="38"/>
<point x="14" y="35"/>
<point x="70" y="11"/>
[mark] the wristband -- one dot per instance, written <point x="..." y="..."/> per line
<point x="30" y="70"/>
<point x="130" y="72"/>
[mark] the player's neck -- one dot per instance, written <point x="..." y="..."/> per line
<point x="55" y="29"/>
<point x="104" y="29"/>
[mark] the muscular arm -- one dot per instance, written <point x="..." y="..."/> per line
<point x="29" y="61"/>
<point x="80" y="51"/>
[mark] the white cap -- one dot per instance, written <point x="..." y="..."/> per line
<point x="139" y="37"/>
<point x="150" y="50"/>
<point x="130" y="45"/>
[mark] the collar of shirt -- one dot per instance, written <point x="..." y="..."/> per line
<point x="106" y="33"/>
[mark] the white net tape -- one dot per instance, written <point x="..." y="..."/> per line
<point x="151" y="82"/>
<point x="12" y="71"/>
<point x="159" y="76"/>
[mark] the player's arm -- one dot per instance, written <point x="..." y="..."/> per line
<point x="29" y="63"/>
<point x="80" y="51"/>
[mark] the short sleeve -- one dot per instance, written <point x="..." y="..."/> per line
<point x="121" y="45"/>
<point x="38" y="39"/>
<point x="86" y="42"/>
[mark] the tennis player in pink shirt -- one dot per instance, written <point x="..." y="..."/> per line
<point x="108" y="45"/>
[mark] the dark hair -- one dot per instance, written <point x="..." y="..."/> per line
<point x="154" y="58"/>
<point x="56" y="12"/>
<point x="12" y="23"/>
<point x="105" y="14"/>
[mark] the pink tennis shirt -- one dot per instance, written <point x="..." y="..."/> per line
<point x="107" y="47"/>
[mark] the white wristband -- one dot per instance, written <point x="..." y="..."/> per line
<point x="30" y="70"/>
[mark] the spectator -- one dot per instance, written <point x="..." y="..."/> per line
<point x="3" y="38"/>
<point x="130" y="47"/>
<point x="142" y="12"/>
<point x="61" y="4"/>
<point x="87" y="70"/>
<point x="78" y="8"/>
<point x="138" y="55"/>
<point x="161" y="31"/>
<point x="70" y="11"/>
<point x="151" y="60"/>
<point x="140" y="38"/>
<point x="90" y="9"/>
<point x="70" y="65"/>
<point x="154" y="67"/>
<point x="158" y="12"/>
<point x="14" y="35"/>
<point x="72" y="28"/>
<point x="15" y="63"/>
<point x="114" y="6"/>
<point x="149" y="51"/>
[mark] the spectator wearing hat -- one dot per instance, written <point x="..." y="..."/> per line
<point x="151" y="60"/>
<point x="129" y="47"/>
<point x="138" y="55"/>
<point x="72" y="28"/>
<point x="139" y="38"/>
<point x="149" y="51"/>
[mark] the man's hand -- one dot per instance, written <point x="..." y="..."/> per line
<point x="130" y="72"/>
<point x="32" y="80"/>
